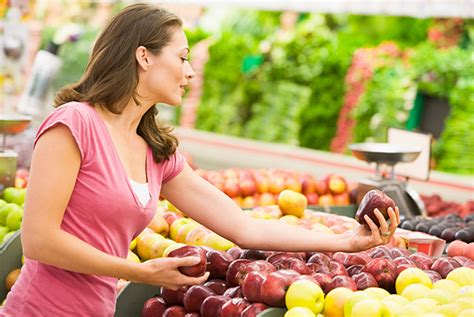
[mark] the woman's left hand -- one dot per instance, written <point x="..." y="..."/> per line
<point x="363" y="237"/>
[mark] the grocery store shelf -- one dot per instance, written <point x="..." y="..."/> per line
<point x="414" y="8"/>
<point x="215" y="151"/>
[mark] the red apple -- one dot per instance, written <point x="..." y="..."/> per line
<point x="312" y="198"/>
<point x="308" y="185"/>
<point x="218" y="286"/>
<point x="323" y="279"/>
<point x="212" y="305"/>
<point x="384" y="272"/>
<point x="233" y="270"/>
<point x="217" y="263"/>
<point x="266" y="199"/>
<point x="293" y="184"/>
<point x="434" y="276"/>
<point x="403" y="263"/>
<point x="354" y="269"/>
<point x="263" y="184"/>
<point x="341" y="281"/>
<point x="173" y="298"/>
<point x="259" y="266"/>
<point x="195" y="296"/>
<point x="251" y="286"/>
<point x="342" y="199"/>
<point x="364" y="280"/>
<point x="380" y="252"/>
<point x="326" y="200"/>
<point x="247" y="187"/>
<point x="253" y="310"/>
<point x="292" y="264"/>
<point x="349" y="259"/>
<point x="397" y="252"/>
<point x="231" y="188"/>
<point x="444" y="265"/>
<point x="234" y="307"/>
<point x="192" y="315"/>
<point x="374" y="199"/>
<point x="154" y="306"/>
<point x="336" y="268"/>
<point x="421" y="260"/>
<point x="273" y="288"/>
<point x="234" y="252"/>
<point x="233" y="292"/>
<point x="252" y="254"/>
<point x="194" y="270"/>
<point x="174" y="311"/>
<point x="461" y="259"/>
<point x="322" y="187"/>
<point x="277" y="185"/>
<point x="319" y="258"/>
<point x="170" y="217"/>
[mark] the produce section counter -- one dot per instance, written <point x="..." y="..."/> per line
<point x="215" y="151"/>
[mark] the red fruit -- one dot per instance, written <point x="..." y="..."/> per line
<point x="253" y="310"/>
<point x="384" y="272"/>
<point x="154" y="306"/>
<point x="456" y="248"/>
<point x="364" y="280"/>
<point x="444" y="265"/>
<point x="402" y="263"/>
<point x="218" y="286"/>
<point x="340" y="281"/>
<point x="380" y="252"/>
<point x="259" y="266"/>
<point x="212" y="305"/>
<point x="354" y="269"/>
<point x="251" y="286"/>
<point x="195" y="296"/>
<point x="293" y="264"/>
<point x="421" y="260"/>
<point x="173" y="298"/>
<point x="233" y="292"/>
<point x="349" y="259"/>
<point x="374" y="199"/>
<point x="319" y="258"/>
<point x="273" y="289"/>
<point x="434" y="276"/>
<point x="252" y="254"/>
<point x="312" y="198"/>
<point x="469" y="251"/>
<point x="234" y="252"/>
<point x="194" y="270"/>
<point x="469" y="264"/>
<point x="234" y="307"/>
<point x="174" y="311"/>
<point x="233" y="270"/>
<point x="217" y="263"/>
<point x="323" y="279"/>
<point x="336" y="268"/>
<point x="461" y="259"/>
<point x="397" y="252"/>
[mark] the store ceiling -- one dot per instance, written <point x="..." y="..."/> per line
<point x="413" y="8"/>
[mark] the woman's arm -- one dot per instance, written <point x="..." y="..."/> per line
<point x="215" y="210"/>
<point x="54" y="169"/>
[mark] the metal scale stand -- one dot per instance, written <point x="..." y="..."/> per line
<point x="388" y="155"/>
<point x="10" y="124"/>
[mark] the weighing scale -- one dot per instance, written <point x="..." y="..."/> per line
<point x="10" y="124"/>
<point x="388" y="155"/>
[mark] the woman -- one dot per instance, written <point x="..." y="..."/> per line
<point x="99" y="166"/>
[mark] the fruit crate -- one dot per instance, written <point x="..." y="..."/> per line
<point x="131" y="298"/>
<point x="10" y="259"/>
<point x="348" y="211"/>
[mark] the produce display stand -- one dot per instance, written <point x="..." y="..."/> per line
<point x="131" y="298"/>
<point x="10" y="259"/>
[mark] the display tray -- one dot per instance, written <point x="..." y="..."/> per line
<point x="10" y="259"/>
<point x="132" y="297"/>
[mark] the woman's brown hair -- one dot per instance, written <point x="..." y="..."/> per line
<point x="111" y="75"/>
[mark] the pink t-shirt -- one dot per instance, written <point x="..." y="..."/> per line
<point x="103" y="211"/>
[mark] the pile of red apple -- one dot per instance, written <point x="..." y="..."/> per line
<point x="250" y="188"/>
<point x="246" y="282"/>
<point x="436" y="206"/>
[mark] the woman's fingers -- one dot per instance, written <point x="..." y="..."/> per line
<point x="393" y="219"/>
<point x="374" y="229"/>
<point x="383" y="225"/>
<point x="184" y="261"/>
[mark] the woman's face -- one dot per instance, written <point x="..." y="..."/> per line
<point x="169" y="72"/>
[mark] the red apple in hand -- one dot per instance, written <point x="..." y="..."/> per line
<point x="194" y="270"/>
<point x="374" y="199"/>
<point x="154" y="306"/>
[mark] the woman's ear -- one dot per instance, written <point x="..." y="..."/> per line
<point x="142" y="57"/>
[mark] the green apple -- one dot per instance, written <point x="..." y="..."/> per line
<point x="447" y="285"/>
<point x="2" y="203"/>
<point x="464" y="276"/>
<point x="370" y="308"/>
<point x="5" y="209"/>
<point x="304" y="293"/>
<point x="299" y="312"/>
<point x="335" y="300"/>
<point x="14" y="195"/>
<point x="415" y="291"/>
<point x="441" y="296"/>
<point x="376" y="292"/>
<point x="8" y="236"/>
<point x="14" y="218"/>
<point x="3" y="231"/>
<point x="354" y="299"/>
<point x="411" y="276"/>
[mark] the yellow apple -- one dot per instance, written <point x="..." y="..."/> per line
<point x="299" y="312"/>
<point x="196" y="236"/>
<point x="354" y="299"/>
<point x="292" y="203"/>
<point x="426" y="304"/>
<point x="335" y="300"/>
<point x="145" y="245"/>
<point x="290" y="219"/>
<point x="441" y="296"/>
<point x="466" y="291"/>
<point x="412" y="276"/>
<point x="304" y="293"/>
<point x="215" y="241"/>
<point x="133" y="244"/>
<point x="415" y="291"/>
<point x="465" y="302"/>
<point x="172" y="247"/>
<point x="370" y="308"/>
<point x="159" y="225"/>
<point x="449" y="310"/>
<point x="395" y="303"/>
<point x="447" y="285"/>
<point x="133" y="257"/>
<point x="183" y="231"/>
<point x="159" y="247"/>
<point x="466" y="313"/>
<point x="176" y="225"/>
<point x="410" y="310"/>
<point x="464" y="276"/>
<point x="376" y="292"/>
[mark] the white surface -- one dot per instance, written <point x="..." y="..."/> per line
<point x="414" y="8"/>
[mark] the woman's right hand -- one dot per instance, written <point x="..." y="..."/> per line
<point x="164" y="272"/>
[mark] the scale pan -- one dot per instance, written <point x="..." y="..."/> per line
<point x="384" y="153"/>
<point x="13" y="123"/>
